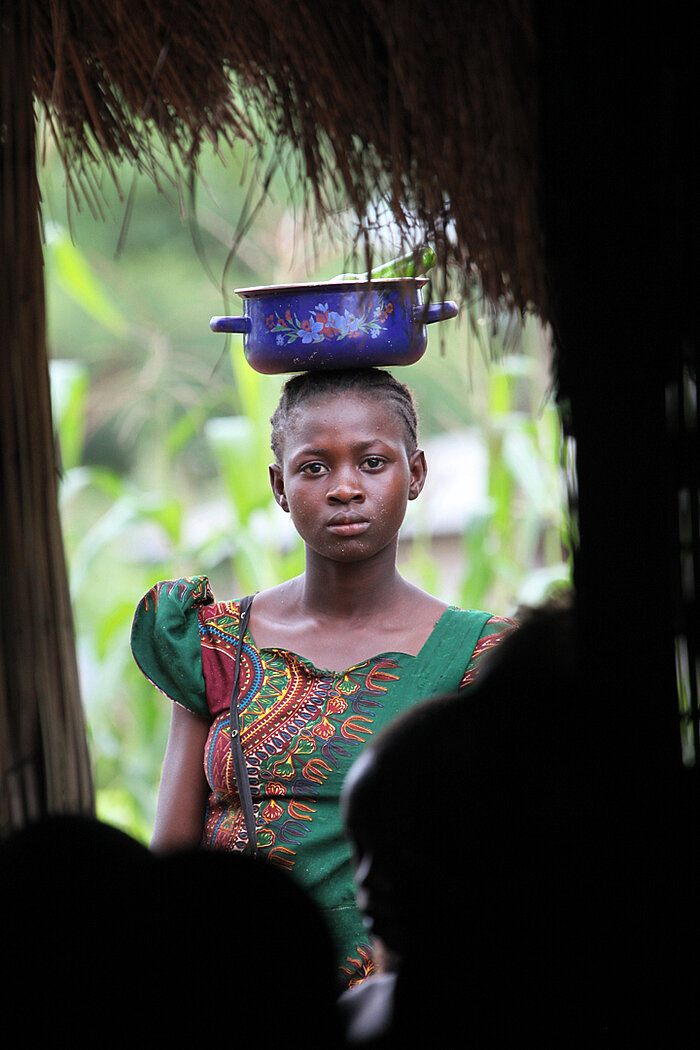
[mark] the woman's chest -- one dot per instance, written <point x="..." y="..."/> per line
<point x="337" y="648"/>
<point x="299" y="728"/>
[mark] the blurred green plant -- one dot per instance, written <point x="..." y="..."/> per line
<point x="164" y="439"/>
<point x="515" y="546"/>
<point x="518" y="551"/>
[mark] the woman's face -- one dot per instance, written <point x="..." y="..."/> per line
<point x="346" y="475"/>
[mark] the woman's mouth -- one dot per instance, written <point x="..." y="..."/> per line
<point x="347" y="526"/>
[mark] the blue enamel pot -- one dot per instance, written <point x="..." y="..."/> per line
<point x="339" y="324"/>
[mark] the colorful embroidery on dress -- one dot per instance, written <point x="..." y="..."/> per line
<point x="504" y="625"/>
<point x="297" y="729"/>
<point x="360" y="968"/>
<point x="196" y="587"/>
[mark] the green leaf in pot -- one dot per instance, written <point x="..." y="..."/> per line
<point x="414" y="264"/>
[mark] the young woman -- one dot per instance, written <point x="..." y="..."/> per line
<point x="329" y="657"/>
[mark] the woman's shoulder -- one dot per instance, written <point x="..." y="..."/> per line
<point x="498" y="624"/>
<point x="487" y="622"/>
<point x="493" y="630"/>
<point x="189" y="592"/>
<point x="490" y="623"/>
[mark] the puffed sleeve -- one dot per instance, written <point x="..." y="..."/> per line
<point x="165" y="640"/>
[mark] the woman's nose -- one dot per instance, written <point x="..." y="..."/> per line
<point x="345" y="489"/>
<point x="363" y="879"/>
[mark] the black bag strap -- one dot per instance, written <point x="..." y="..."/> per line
<point x="239" y="764"/>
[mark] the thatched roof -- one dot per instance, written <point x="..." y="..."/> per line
<point x="432" y="110"/>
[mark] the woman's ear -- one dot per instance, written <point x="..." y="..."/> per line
<point x="277" y="483"/>
<point x="419" y="472"/>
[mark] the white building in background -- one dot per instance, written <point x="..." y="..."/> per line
<point x="455" y="493"/>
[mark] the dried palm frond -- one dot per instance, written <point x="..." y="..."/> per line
<point x="429" y="109"/>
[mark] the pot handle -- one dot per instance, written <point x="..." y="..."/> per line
<point x="230" y="324"/>
<point x="434" y="312"/>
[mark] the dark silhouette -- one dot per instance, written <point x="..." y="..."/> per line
<point x="498" y="865"/>
<point x="71" y="901"/>
<point x="108" y="942"/>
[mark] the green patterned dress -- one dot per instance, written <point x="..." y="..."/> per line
<point x="301" y="729"/>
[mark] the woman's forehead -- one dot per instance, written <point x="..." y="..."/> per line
<point x="347" y="413"/>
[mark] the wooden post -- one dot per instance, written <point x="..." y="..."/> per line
<point x="44" y="763"/>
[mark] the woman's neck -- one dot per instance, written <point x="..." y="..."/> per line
<point x="340" y="590"/>
<point x="337" y="614"/>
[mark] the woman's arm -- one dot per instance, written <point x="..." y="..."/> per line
<point x="183" y="787"/>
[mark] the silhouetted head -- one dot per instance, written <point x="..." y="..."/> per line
<point x="497" y="833"/>
<point x="462" y="812"/>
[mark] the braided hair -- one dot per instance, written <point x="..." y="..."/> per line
<point x="374" y="381"/>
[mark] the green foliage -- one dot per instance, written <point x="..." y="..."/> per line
<point x="69" y="386"/>
<point x="75" y="277"/>
<point x="164" y="435"/>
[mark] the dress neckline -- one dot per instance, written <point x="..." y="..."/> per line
<point x="325" y="671"/>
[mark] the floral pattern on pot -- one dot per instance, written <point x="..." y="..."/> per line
<point x="323" y="324"/>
